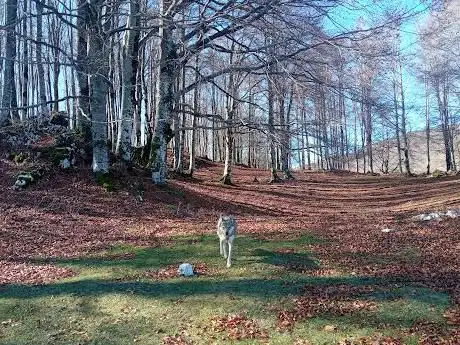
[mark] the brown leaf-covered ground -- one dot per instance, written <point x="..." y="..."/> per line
<point x="66" y="215"/>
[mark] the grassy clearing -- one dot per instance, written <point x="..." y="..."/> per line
<point x="112" y="301"/>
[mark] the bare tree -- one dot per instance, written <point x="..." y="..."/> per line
<point x="9" y="89"/>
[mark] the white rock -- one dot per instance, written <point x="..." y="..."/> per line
<point x="453" y="213"/>
<point x="428" y="216"/>
<point x="420" y="216"/>
<point x="434" y="215"/>
<point x="65" y="164"/>
<point x="388" y="230"/>
<point x="185" y="270"/>
<point x="20" y="183"/>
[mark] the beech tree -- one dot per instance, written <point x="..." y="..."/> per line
<point x="440" y="43"/>
<point x="9" y="110"/>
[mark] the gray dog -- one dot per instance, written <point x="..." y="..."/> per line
<point x="226" y="230"/>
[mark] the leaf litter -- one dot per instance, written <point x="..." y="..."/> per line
<point x="67" y="215"/>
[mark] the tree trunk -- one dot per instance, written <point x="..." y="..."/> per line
<point x="398" y="139"/>
<point x="449" y="124"/>
<point x="43" y="108"/>
<point x="307" y="143"/>
<point x="215" y="138"/>
<point x="442" y="115"/>
<point x="355" y="135"/>
<point x="56" y="41"/>
<point x="286" y="135"/>
<point x="10" y="57"/>
<point x="196" y="110"/>
<point x="129" y="74"/>
<point x="25" y="72"/>
<point x="301" y="136"/>
<point x="250" y="133"/>
<point x="164" y="98"/>
<point x="229" y="138"/>
<point x="363" y="137"/>
<point x="427" y="120"/>
<point x="271" y="132"/>
<point x="83" y="115"/>
<point x="370" y="157"/>
<point x="179" y="140"/>
<point x="403" y="127"/>
<point x="98" y="70"/>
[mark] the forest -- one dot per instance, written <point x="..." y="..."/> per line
<point x="270" y="84"/>
<point x="327" y="129"/>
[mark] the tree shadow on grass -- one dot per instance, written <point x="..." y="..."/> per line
<point x="203" y="249"/>
<point x="179" y="287"/>
<point x="292" y="261"/>
<point x="420" y="300"/>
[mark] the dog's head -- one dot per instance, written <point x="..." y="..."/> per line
<point x="226" y="219"/>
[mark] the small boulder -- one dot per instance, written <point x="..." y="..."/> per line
<point x="185" y="270"/>
<point x="428" y="216"/>
<point x="20" y="184"/>
<point x="433" y="216"/>
<point x="65" y="164"/>
<point x="387" y="230"/>
<point x="419" y="217"/>
<point x="438" y="173"/>
<point x="453" y="213"/>
<point x="330" y="328"/>
<point x="24" y="179"/>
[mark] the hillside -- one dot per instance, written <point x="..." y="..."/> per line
<point x="417" y="152"/>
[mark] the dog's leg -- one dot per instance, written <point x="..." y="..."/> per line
<point x="224" y="242"/>
<point x="230" y="248"/>
<point x="221" y="242"/>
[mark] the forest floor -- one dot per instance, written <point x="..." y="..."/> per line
<point x="82" y="265"/>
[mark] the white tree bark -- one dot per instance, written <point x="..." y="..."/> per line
<point x="403" y="125"/>
<point x="97" y="56"/>
<point x="229" y="137"/>
<point x="99" y="124"/>
<point x="125" y="133"/>
<point x="25" y="72"/>
<point x="286" y="135"/>
<point x="10" y="56"/>
<point x="196" y="110"/>
<point x="41" y="72"/>
<point x="271" y="132"/>
<point x="164" y="98"/>
<point x="427" y="130"/>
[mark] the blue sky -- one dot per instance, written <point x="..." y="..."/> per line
<point x="345" y="18"/>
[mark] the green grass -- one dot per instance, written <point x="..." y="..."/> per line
<point x="110" y="301"/>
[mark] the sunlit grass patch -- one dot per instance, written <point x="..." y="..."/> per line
<point x="112" y="300"/>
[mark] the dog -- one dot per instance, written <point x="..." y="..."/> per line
<point x="226" y="231"/>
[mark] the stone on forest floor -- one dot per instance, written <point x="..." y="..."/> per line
<point x="452" y="213"/>
<point x="185" y="270"/>
<point x="23" y="180"/>
<point x="65" y="163"/>
<point x="330" y="328"/>
<point x="438" y="173"/>
<point x="388" y="230"/>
